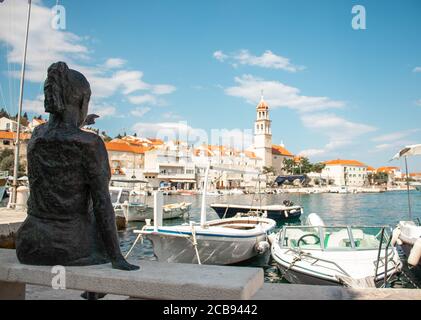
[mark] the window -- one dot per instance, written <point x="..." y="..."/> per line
<point x="6" y="142"/>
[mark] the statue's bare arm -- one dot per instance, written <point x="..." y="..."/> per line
<point x="102" y="206"/>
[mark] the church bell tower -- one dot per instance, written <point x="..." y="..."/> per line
<point x="263" y="133"/>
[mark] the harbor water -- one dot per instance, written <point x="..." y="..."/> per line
<point x="374" y="209"/>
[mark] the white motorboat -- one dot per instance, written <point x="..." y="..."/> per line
<point x="222" y="241"/>
<point x="407" y="235"/>
<point x="126" y="203"/>
<point x="334" y="255"/>
<point x="416" y="185"/>
<point x="136" y="212"/>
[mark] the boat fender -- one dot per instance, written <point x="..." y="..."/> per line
<point x="395" y="237"/>
<point x="262" y="246"/>
<point x="415" y="254"/>
<point x="314" y="220"/>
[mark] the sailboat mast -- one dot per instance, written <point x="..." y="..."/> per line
<point x="203" y="208"/>
<point x="22" y="82"/>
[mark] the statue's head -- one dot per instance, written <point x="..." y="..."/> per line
<point x="66" y="91"/>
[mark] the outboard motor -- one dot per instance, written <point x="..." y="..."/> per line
<point x="314" y="220"/>
<point x="288" y="203"/>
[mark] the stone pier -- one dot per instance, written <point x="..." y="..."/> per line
<point x="10" y="221"/>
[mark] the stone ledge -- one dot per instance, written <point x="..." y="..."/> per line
<point x="153" y="281"/>
<point x="286" y="291"/>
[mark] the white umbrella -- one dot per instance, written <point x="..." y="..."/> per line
<point x="413" y="150"/>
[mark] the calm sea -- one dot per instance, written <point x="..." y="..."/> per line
<point x="356" y="209"/>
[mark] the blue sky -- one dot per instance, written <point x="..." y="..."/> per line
<point x="334" y="92"/>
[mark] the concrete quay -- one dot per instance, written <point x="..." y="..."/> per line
<point x="10" y="221"/>
<point x="166" y="281"/>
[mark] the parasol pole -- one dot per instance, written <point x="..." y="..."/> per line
<point x="22" y="82"/>
<point x="407" y="188"/>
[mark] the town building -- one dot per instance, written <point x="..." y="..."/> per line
<point x="170" y="165"/>
<point x="126" y="159"/>
<point x="345" y="172"/>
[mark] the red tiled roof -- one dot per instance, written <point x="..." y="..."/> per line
<point x="279" y="150"/>
<point x="387" y="169"/>
<point x="123" y="146"/>
<point x="12" y="135"/>
<point x="354" y="163"/>
<point x="251" y="155"/>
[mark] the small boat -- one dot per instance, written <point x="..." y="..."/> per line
<point x="221" y="242"/>
<point x="341" y="189"/>
<point x="334" y="255"/>
<point x="407" y="235"/>
<point x="287" y="211"/>
<point x="170" y="211"/>
<point x="416" y="185"/>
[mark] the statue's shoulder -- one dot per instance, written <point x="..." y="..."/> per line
<point x="91" y="139"/>
<point x="39" y="130"/>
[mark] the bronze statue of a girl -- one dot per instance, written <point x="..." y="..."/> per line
<point x="71" y="220"/>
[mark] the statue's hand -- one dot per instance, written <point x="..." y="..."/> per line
<point x="122" y="264"/>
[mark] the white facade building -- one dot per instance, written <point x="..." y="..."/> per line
<point x="351" y="173"/>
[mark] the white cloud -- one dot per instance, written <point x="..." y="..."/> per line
<point x="171" y="115"/>
<point x="35" y="106"/>
<point x="140" y="112"/>
<point x="112" y="63"/>
<point x="417" y="69"/>
<point x="47" y="45"/>
<point x="340" y="132"/>
<point x="311" y="153"/>
<point x="418" y="102"/>
<point x="164" y="130"/>
<point x="278" y="94"/>
<point x="219" y="55"/>
<point x="147" y="98"/>
<point x="234" y="138"/>
<point x="267" y="60"/>
<point x="395" y="135"/>
<point x="163" y="89"/>
<point x="102" y="109"/>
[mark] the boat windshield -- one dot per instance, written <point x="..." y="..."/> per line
<point x="125" y="195"/>
<point x="333" y="238"/>
<point x="114" y="195"/>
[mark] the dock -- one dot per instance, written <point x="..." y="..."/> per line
<point x="10" y="221"/>
<point x="181" y="281"/>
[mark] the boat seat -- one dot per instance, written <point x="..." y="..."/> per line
<point x="339" y="239"/>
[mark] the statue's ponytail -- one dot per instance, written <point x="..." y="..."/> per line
<point x="57" y="79"/>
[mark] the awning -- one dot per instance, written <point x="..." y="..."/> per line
<point x="184" y="180"/>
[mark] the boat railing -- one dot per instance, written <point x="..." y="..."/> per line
<point x="386" y="257"/>
<point x="316" y="259"/>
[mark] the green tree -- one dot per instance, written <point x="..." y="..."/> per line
<point x="289" y="165"/>
<point x="7" y="160"/>
<point x="380" y="178"/>
<point x="269" y="169"/>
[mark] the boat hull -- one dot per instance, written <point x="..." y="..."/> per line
<point x="277" y="215"/>
<point x="221" y="251"/>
